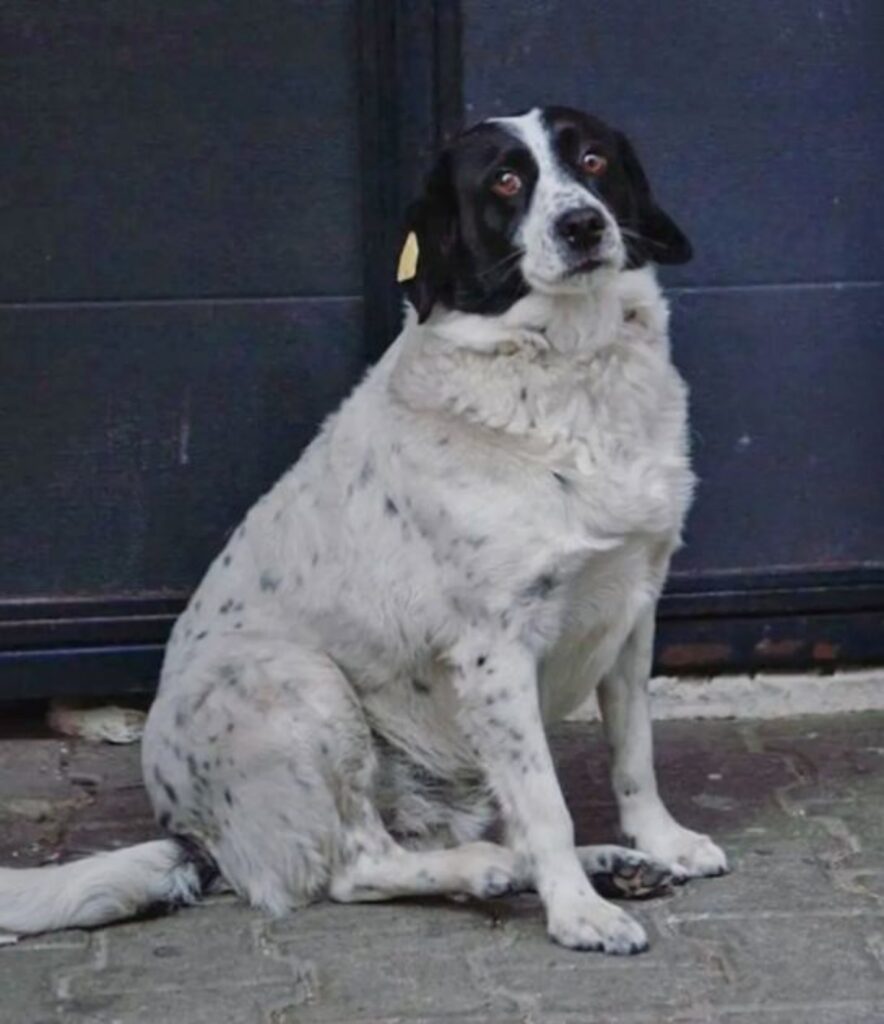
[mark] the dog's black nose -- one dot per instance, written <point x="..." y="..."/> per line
<point x="581" y="228"/>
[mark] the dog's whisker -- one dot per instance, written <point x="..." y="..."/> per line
<point x="512" y="257"/>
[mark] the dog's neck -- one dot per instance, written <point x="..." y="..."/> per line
<point x="574" y="324"/>
<point x="472" y="365"/>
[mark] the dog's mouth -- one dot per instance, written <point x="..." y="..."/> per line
<point x="606" y="254"/>
<point x="585" y="266"/>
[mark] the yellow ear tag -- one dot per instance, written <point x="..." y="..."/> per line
<point x="408" y="259"/>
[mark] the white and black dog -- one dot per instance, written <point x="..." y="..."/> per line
<point x="474" y="543"/>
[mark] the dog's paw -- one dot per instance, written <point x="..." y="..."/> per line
<point x="620" y="873"/>
<point x="495" y="881"/>
<point x="591" y="923"/>
<point x="687" y="854"/>
<point x="493" y="871"/>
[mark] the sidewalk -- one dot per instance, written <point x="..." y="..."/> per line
<point x="795" y="935"/>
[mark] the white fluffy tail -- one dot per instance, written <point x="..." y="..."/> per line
<point x="101" y="888"/>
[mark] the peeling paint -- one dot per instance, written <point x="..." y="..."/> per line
<point x="778" y="648"/>
<point x="684" y="655"/>
<point x="824" y="651"/>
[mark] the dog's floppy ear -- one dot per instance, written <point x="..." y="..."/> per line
<point x="427" y="275"/>
<point x="661" y="239"/>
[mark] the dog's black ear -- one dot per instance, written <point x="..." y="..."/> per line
<point x="660" y="239"/>
<point x="433" y="220"/>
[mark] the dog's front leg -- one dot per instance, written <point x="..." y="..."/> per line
<point x="644" y="819"/>
<point x="500" y="713"/>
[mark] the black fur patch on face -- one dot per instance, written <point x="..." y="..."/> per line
<point x="466" y="231"/>
<point x="650" y="234"/>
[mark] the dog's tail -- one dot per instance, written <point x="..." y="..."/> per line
<point x="102" y="888"/>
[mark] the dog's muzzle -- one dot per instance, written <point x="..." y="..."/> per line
<point x="582" y="232"/>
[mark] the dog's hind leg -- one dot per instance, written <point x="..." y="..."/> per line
<point x="376" y="867"/>
<point x="259" y="754"/>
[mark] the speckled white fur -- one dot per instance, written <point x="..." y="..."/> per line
<point x="473" y="543"/>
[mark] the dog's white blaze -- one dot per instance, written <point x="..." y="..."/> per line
<point x="544" y="262"/>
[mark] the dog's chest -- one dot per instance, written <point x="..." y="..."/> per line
<point x="584" y="504"/>
<point x="591" y="452"/>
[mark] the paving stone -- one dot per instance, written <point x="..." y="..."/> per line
<point x="27" y="973"/>
<point x="795" y="935"/>
<point x="840" y="1013"/>
<point x="791" y="958"/>
<point x="409" y="960"/>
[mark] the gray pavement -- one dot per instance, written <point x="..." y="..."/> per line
<point x="795" y="935"/>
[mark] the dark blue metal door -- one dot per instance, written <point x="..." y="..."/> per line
<point x="198" y="236"/>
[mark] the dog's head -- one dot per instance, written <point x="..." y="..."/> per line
<point x="533" y="203"/>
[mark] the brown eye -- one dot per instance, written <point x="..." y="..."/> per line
<point x="593" y="164"/>
<point x="506" y="184"/>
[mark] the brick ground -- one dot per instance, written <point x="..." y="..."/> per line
<point x="794" y="936"/>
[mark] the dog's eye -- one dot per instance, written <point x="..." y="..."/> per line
<point x="593" y="164"/>
<point x="506" y="184"/>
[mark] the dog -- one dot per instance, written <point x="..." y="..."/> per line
<point x="475" y="542"/>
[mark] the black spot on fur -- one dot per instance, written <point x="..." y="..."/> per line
<point x="390" y="507"/>
<point x="629" y="787"/>
<point x="167" y="787"/>
<point x="193" y="852"/>
<point x="202" y="634"/>
<point x="366" y="473"/>
<point x="225" y="560"/>
<point x="165" y="819"/>
<point x="228" y="796"/>
<point x="562" y="481"/>
<point x="541" y="588"/>
<point x="523" y="394"/>
<point x="225" y="608"/>
<point x="197" y="605"/>
<point x="201" y="699"/>
<point x="180" y="723"/>
<point x="268" y="582"/>
<point x="228" y="674"/>
<point x="480" y="661"/>
<point x="420" y="686"/>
